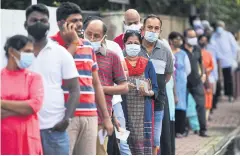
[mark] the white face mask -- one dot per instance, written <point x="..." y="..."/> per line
<point x="192" y="41"/>
<point x="132" y="27"/>
<point x="151" y="36"/>
<point x="133" y="50"/>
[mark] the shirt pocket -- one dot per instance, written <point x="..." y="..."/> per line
<point x="159" y="66"/>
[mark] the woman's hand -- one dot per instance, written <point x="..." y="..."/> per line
<point x="142" y="92"/>
<point x="131" y="85"/>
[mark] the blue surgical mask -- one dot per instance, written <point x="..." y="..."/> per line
<point x="133" y="50"/>
<point x="220" y="30"/>
<point x="26" y="60"/>
<point x="151" y="36"/>
<point x="96" y="45"/>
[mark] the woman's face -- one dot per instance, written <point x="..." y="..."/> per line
<point x="28" y="48"/>
<point x="133" y="40"/>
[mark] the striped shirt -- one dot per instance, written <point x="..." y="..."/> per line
<point x="110" y="72"/>
<point x="85" y="60"/>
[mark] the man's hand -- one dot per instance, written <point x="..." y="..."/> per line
<point x="116" y="123"/>
<point x="69" y="33"/>
<point x="108" y="126"/>
<point x="61" y="126"/>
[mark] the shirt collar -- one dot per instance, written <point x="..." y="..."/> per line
<point x="60" y="40"/>
<point x="103" y="50"/>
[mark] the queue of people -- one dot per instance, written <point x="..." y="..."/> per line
<point x="77" y="84"/>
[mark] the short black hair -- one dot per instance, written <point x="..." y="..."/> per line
<point x="130" y="33"/>
<point x="152" y="16"/>
<point x="174" y="35"/>
<point x="92" y="18"/>
<point x="37" y="7"/>
<point x="186" y="31"/>
<point x="17" y="42"/>
<point x="66" y="9"/>
<point x="201" y="36"/>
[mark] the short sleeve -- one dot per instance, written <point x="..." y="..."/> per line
<point x="94" y="58"/>
<point x="68" y="67"/>
<point x="169" y="64"/>
<point x="36" y="92"/>
<point x="187" y="65"/>
<point x="118" y="72"/>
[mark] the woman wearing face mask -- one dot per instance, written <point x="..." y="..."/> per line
<point x="21" y="99"/>
<point x="183" y="69"/>
<point x="139" y="99"/>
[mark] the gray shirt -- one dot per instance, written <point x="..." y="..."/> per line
<point x="162" y="60"/>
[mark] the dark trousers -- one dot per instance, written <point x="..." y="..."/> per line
<point x="199" y="97"/>
<point x="172" y="129"/>
<point x="217" y="95"/>
<point x="180" y="118"/>
<point x="228" y="81"/>
<point x="165" y="142"/>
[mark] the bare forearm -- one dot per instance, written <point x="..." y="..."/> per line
<point x="116" y="90"/>
<point x="73" y="100"/>
<point x="168" y="77"/>
<point x="72" y="49"/>
<point x="21" y="107"/>
<point x="100" y="100"/>
<point x="6" y="113"/>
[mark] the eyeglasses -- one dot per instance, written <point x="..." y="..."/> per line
<point x="132" y="32"/>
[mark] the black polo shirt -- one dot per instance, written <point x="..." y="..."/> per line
<point x="195" y="58"/>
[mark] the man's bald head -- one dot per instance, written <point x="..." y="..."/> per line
<point x="131" y="16"/>
<point x="95" y="30"/>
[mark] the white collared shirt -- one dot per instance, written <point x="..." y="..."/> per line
<point x="54" y="63"/>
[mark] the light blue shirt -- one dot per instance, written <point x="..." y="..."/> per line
<point x="226" y="47"/>
<point x="212" y="49"/>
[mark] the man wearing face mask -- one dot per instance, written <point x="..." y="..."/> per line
<point x="54" y="64"/>
<point x="116" y="100"/>
<point x="110" y="70"/>
<point x="83" y="128"/>
<point x="195" y="84"/>
<point x="227" y="47"/>
<point x="131" y="22"/>
<point x="162" y="60"/>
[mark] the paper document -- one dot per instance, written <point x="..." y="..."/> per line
<point x="102" y="136"/>
<point x="141" y="83"/>
<point x="122" y="135"/>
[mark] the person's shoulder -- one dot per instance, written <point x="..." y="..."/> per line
<point x="119" y="37"/>
<point x="33" y="74"/>
<point x="111" y="53"/>
<point x="112" y="43"/>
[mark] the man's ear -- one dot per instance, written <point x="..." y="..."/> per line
<point x="25" y="25"/>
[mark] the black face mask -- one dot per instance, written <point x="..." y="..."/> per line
<point x="202" y="45"/>
<point x="38" y="31"/>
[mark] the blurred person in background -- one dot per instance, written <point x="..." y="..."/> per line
<point x="132" y="21"/>
<point x="182" y="70"/>
<point x="226" y="45"/>
<point x="194" y="79"/>
<point x="208" y="68"/>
